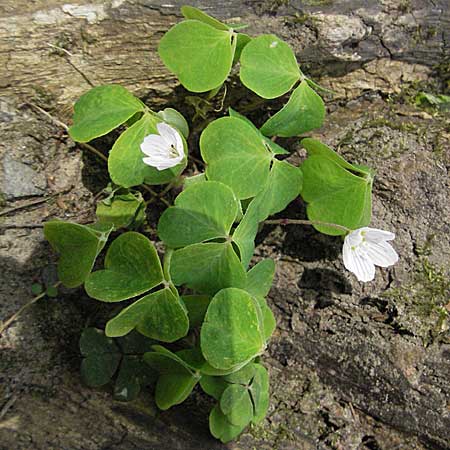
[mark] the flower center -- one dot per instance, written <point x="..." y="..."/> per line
<point x="173" y="152"/>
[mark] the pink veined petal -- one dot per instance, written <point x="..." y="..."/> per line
<point x="381" y="253"/>
<point x="359" y="263"/>
<point x="376" y="235"/>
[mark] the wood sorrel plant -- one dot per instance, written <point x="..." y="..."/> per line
<point x="204" y="288"/>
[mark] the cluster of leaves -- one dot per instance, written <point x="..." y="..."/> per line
<point x="203" y="288"/>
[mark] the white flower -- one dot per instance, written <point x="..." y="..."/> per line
<point x="163" y="150"/>
<point x="366" y="248"/>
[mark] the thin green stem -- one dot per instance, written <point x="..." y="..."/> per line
<point x="306" y="222"/>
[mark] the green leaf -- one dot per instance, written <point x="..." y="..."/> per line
<point x="283" y="186"/>
<point x="52" y="291"/>
<point x="102" y="109"/>
<point x="317" y="148"/>
<point x="260" y="277"/>
<point x="125" y="164"/>
<point x="235" y="155"/>
<point x="242" y="376"/>
<point x="120" y="211"/>
<point x="37" y="288"/>
<point x="190" y="12"/>
<point x="196" y="306"/>
<point x="159" y="315"/>
<point x="193" y="357"/>
<point x="242" y="40"/>
<point x="237" y="405"/>
<point x="335" y="195"/>
<point x="78" y="246"/>
<point x="101" y="357"/>
<point x="134" y="343"/>
<point x="199" y="178"/>
<point x="268" y="319"/>
<point x="173" y="389"/>
<point x="268" y="66"/>
<point x="213" y="386"/>
<point x="207" y="268"/>
<point x="186" y="50"/>
<point x="132" y="267"/>
<point x="176" y="120"/>
<point x="259" y="391"/>
<point x="133" y="373"/>
<point x="303" y="112"/>
<point x="231" y="334"/>
<point x="270" y="145"/>
<point x="221" y="428"/>
<point x="176" y="379"/>
<point x="164" y="361"/>
<point x="202" y="212"/>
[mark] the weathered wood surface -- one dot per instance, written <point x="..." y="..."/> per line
<point x="352" y="367"/>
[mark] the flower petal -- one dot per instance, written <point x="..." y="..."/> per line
<point x="376" y="235"/>
<point x="172" y="137"/>
<point x="381" y="253"/>
<point x="358" y="262"/>
<point x="154" y="143"/>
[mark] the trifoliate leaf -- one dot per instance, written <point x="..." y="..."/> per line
<point x="78" y="246"/>
<point x="232" y="332"/>
<point x="304" y="112"/>
<point x="187" y="49"/>
<point x="132" y="267"/>
<point x="268" y="66"/>
<point x="102" y="109"/>
<point x="235" y="155"/>
<point x="202" y="212"/>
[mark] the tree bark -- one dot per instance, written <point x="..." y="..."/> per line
<point x="352" y="366"/>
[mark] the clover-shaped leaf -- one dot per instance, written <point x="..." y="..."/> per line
<point x="267" y="318"/>
<point x="101" y="357"/>
<point x="203" y="211"/>
<point x="175" y="119"/>
<point x="176" y="378"/>
<point x="268" y="66"/>
<point x="207" y="267"/>
<point x="232" y="333"/>
<point x="159" y="315"/>
<point x="236" y="155"/>
<point x="283" y="186"/>
<point x="221" y="428"/>
<point x="132" y="267"/>
<point x="336" y="192"/>
<point x="259" y="390"/>
<point x="260" y="277"/>
<point x="196" y="306"/>
<point x="122" y="210"/>
<point x="102" y="109"/>
<point x="190" y="12"/>
<point x="125" y="164"/>
<point x="317" y="148"/>
<point x="271" y="145"/>
<point x="133" y="374"/>
<point x="237" y="405"/>
<point x="78" y="246"/>
<point x="303" y="112"/>
<point x="194" y="358"/>
<point x="186" y="50"/>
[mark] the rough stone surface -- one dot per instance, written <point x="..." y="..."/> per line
<point x="353" y="367"/>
